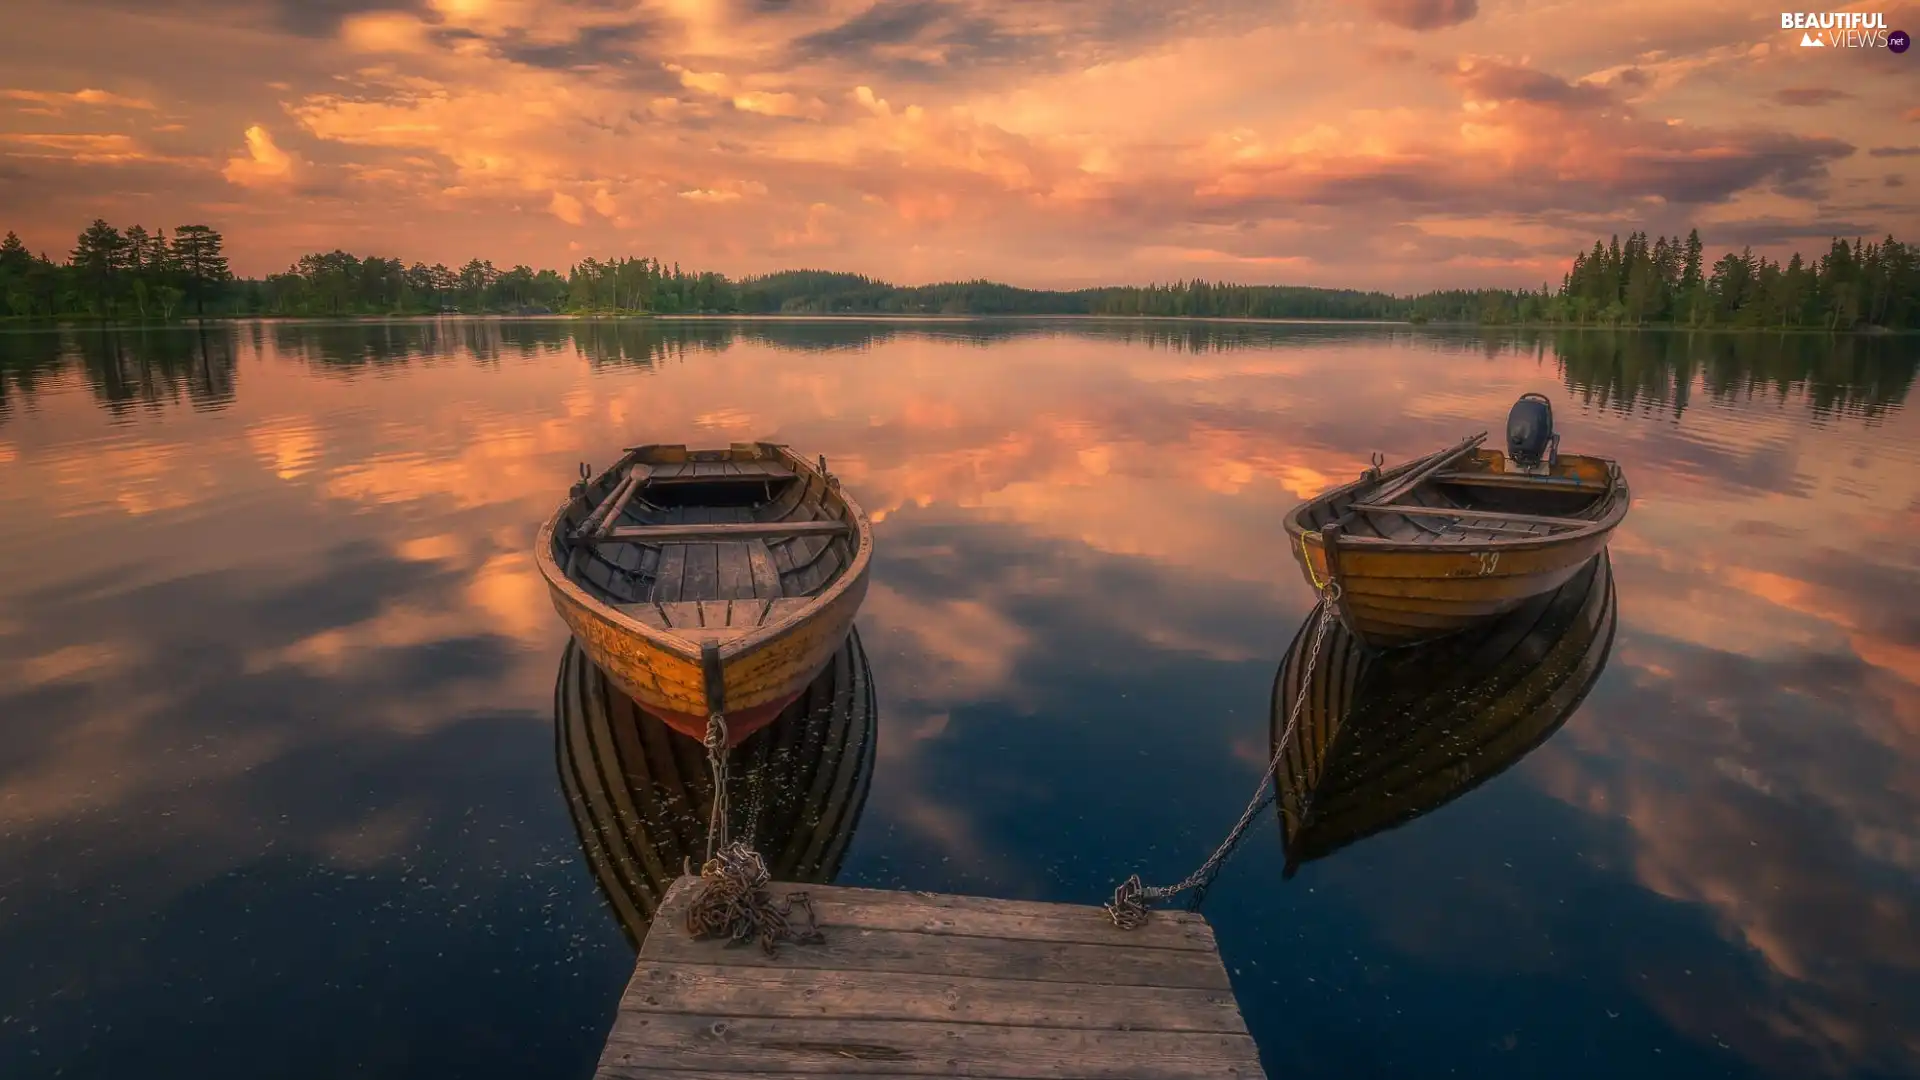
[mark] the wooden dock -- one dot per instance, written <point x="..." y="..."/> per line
<point x="925" y="984"/>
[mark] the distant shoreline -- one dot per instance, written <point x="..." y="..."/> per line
<point x="73" y="322"/>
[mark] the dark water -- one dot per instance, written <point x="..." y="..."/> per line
<point x="278" y="790"/>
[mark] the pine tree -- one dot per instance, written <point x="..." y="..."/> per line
<point x="137" y="244"/>
<point x="1691" y="303"/>
<point x="14" y="256"/>
<point x="97" y="259"/>
<point x="1690" y="269"/>
<point x="201" y="263"/>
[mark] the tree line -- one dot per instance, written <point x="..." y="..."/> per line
<point x="134" y="274"/>
<point x="115" y="274"/>
<point x="1855" y="285"/>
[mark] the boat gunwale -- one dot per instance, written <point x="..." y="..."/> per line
<point x="1616" y="496"/>
<point x="751" y="641"/>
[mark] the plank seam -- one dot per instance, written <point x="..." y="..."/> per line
<point x="1125" y="945"/>
<point x="628" y="1008"/>
<point x="650" y="962"/>
<point x="620" y="1070"/>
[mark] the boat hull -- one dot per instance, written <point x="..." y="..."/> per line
<point x="1394" y="598"/>
<point x="775" y="619"/>
<point x="761" y="679"/>
<point x="1405" y="579"/>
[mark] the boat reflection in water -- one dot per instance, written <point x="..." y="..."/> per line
<point x="1386" y="737"/>
<point x="640" y="793"/>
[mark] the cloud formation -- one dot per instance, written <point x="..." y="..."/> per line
<point x="1810" y="96"/>
<point x="1424" y="14"/>
<point x="263" y="165"/>
<point x="1053" y="142"/>
<point x="53" y="101"/>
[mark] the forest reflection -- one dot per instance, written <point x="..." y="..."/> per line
<point x="1859" y="376"/>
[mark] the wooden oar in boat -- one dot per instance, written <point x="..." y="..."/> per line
<point x="1453" y="539"/>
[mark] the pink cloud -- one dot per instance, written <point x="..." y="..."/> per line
<point x="1054" y="142"/>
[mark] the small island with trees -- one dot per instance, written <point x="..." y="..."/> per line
<point x="136" y="275"/>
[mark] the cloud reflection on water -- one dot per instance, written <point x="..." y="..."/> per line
<point x="302" y="549"/>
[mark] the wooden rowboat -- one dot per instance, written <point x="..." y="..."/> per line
<point x="1444" y="542"/>
<point x="1384" y="738"/>
<point x="709" y="581"/>
<point x="640" y="795"/>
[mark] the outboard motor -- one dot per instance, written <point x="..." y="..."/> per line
<point x="1532" y="445"/>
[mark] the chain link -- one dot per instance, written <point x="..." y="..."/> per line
<point x="734" y="903"/>
<point x="1128" y="908"/>
<point x="717" y="765"/>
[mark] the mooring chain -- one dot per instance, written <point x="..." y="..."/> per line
<point x="1128" y="908"/>
<point x="733" y="901"/>
<point x="717" y="765"/>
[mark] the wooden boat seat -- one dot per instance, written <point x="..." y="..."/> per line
<point x="720" y="472"/>
<point x="1511" y="480"/>
<point x="708" y="580"/>
<point x="721" y="532"/>
<point x="1475" y="530"/>
<point x="713" y="620"/>
<point x="1468" y="513"/>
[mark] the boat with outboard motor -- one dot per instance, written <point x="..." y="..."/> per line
<point x="1458" y="537"/>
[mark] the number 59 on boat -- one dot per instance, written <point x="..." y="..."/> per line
<point x="1448" y="541"/>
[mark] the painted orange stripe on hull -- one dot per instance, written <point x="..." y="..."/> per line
<point x="1462" y="601"/>
<point x="739" y="724"/>
<point x="1468" y="565"/>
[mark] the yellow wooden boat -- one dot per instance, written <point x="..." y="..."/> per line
<point x="709" y="581"/>
<point x="1461" y="536"/>
<point x="640" y="795"/>
<point x="1384" y="738"/>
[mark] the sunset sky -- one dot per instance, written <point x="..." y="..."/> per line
<point x="1395" y="144"/>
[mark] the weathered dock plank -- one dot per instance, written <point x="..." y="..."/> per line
<point x="918" y="984"/>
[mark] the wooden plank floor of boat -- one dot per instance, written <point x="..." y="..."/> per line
<point x="925" y="984"/>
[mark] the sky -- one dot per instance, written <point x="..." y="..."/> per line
<point x="1391" y="144"/>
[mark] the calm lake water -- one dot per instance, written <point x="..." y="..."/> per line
<point x="278" y="791"/>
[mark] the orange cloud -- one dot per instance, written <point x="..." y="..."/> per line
<point x="1047" y="142"/>
<point x="566" y="208"/>
<point x="779" y="104"/>
<point x="85" y="148"/>
<point x="381" y="32"/>
<point x="54" y="99"/>
<point x="727" y="191"/>
<point x="265" y="164"/>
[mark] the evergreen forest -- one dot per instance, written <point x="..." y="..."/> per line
<point x="133" y="274"/>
